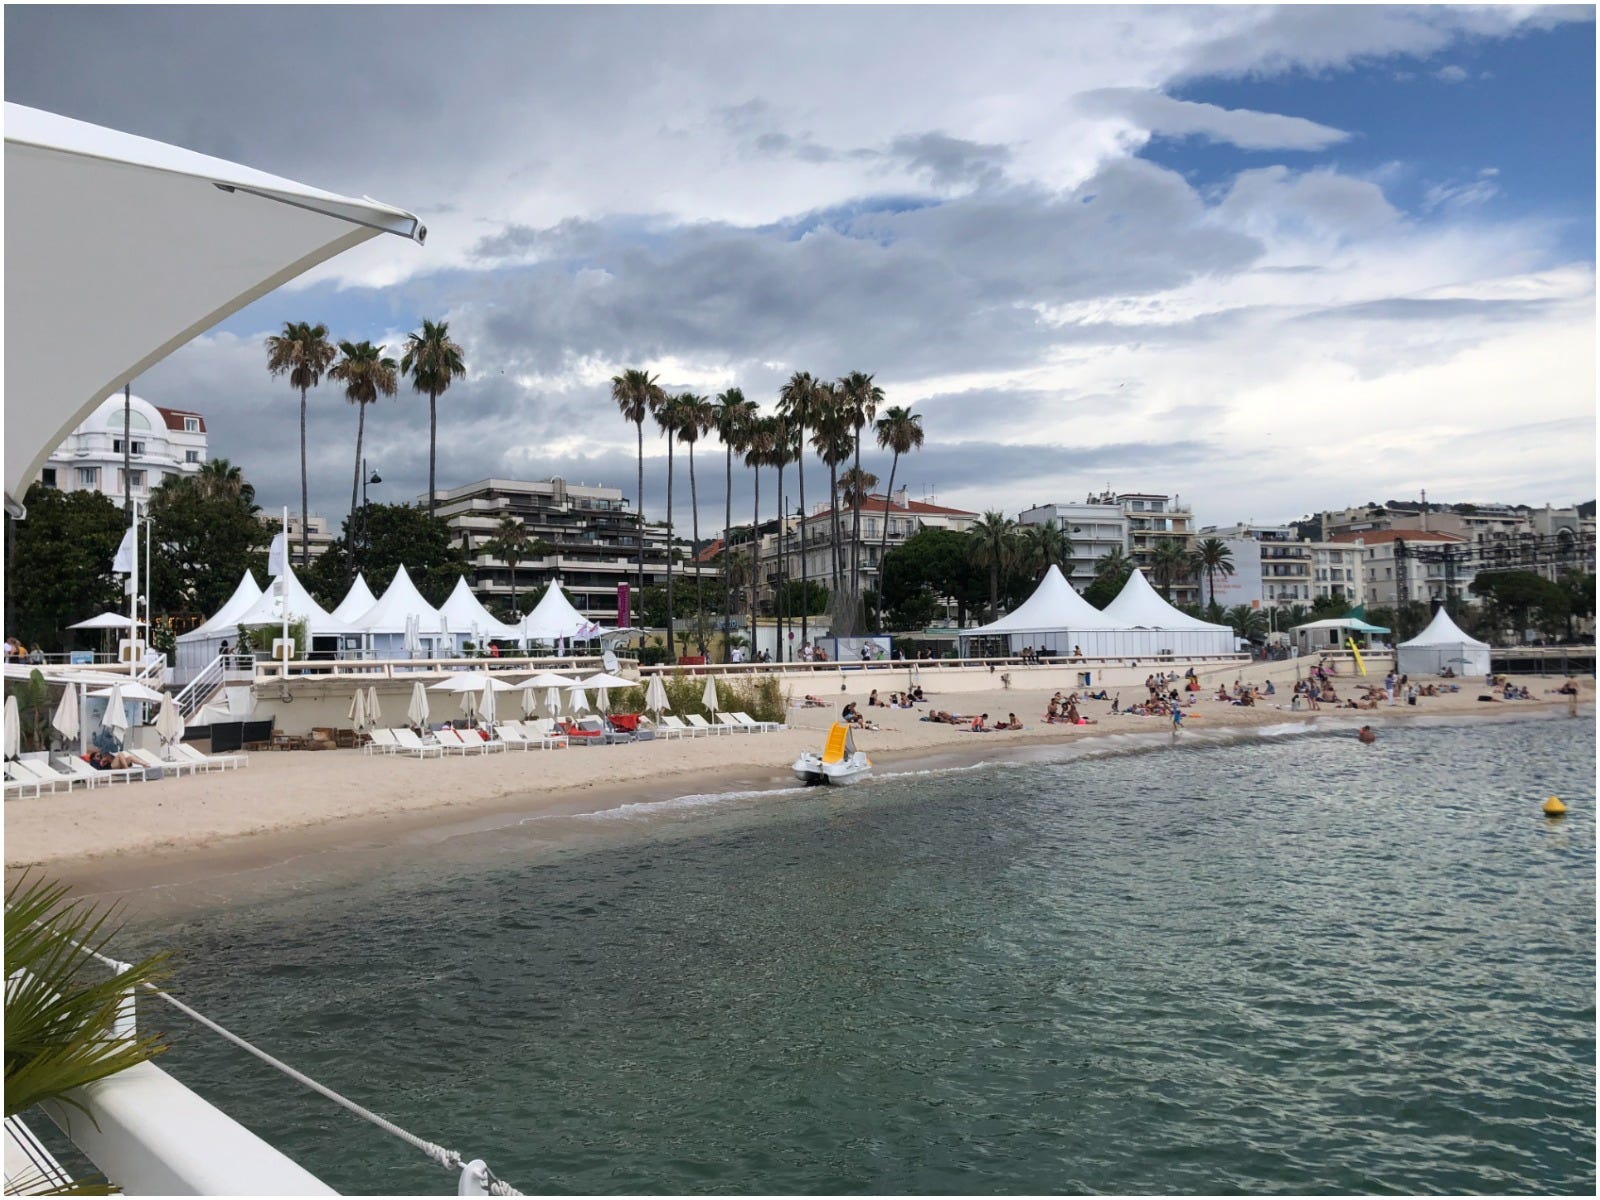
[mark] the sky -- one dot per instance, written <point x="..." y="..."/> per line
<point x="1269" y="259"/>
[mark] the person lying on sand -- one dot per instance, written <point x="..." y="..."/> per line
<point x="815" y="702"/>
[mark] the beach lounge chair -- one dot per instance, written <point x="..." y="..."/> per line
<point x="195" y="761"/>
<point x="699" y="722"/>
<point x="153" y="762"/>
<point x="580" y="734"/>
<point x="42" y="773"/>
<point x="550" y="735"/>
<point x="381" y="742"/>
<point x="19" y="783"/>
<point x="95" y="777"/>
<point x="672" y="725"/>
<point x="762" y="726"/>
<point x="728" y="721"/>
<point x="409" y="743"/>
<point x="511" y="734"/>
<point x="453" y="743"/>
<point x="221" y="762"/>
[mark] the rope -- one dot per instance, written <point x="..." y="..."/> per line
<point x="446" y="1158"/>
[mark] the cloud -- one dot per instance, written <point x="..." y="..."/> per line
<point x="1162" y="115"/>
<point x="1450" y="74"/>
<point x="1467" y="194"/>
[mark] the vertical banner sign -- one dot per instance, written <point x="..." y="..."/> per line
<point x="623" y="613"/>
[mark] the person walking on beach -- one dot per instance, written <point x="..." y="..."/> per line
<point x="1177" y="719"/>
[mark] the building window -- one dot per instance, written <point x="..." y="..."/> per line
<point x="191" y="456"/>
<point x="134" y="447"/>
<point x="135" y="480"/>
<point x="48" y="477"/>
<point x="191" y="424"/>
<point x="88" y="477"/>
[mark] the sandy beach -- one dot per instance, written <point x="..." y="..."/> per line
<point x="285" y="803"/>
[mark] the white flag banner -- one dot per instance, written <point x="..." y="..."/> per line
<point x="122" y="564"/>
<point x="277" y="554"/>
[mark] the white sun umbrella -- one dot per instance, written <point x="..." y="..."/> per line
<point x="472" y="681"/>
<point x="578" y="702"/>
<point x="134" y="690"/>
<point x="106" y="620"/>
<point x="709" y="697"/>
<point x="116" y="718"/>
<point x="374" y="713"/>
<point x="169" y="724"/>
<point x="530" y="700"/>
<point x="552" y="699"/>
<point x="358" y="711"/>
<point x="655" y="696"/>
<point x="469" y="704"/>
<point x="487" y="705"/>
<point x="13" y="728"/>
<point x="417" y="711"/>
<point x="67" y="719"/>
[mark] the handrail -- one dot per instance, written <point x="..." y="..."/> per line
<point x="375" y="669"/>
<point x="204" y="685"/>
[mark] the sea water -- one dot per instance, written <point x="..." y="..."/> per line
<point x="1293" y="964"/>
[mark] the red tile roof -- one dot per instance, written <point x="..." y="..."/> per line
<point x="174" y="417"/>
<point x="1373" y="537"/>
<point x="877" y="503"/>
<point x="709" y="552"/>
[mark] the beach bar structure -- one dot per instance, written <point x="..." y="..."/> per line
<point x="1057" y="621"/>
<point x="1331" y="634"/>
<point x="1442" y="644"/>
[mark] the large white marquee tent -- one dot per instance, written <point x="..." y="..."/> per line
<point x="200" y="645"/>
<point x="470" y="621"/>
<point x="1442" y="644"/>
<point x="404" y="625"/>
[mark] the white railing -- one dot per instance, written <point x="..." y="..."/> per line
<point x="375" y="670"/>
<point x="1010" y="662"/>
<point x="204" y="685"/>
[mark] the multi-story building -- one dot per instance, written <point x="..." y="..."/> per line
<point x="1096" y="529"/>
<point x="1152" y="519"/>
<point x="1337" y="572"/>
<point x="1388" y="578"/>
<point x="590" y="530"/>
<point x="162" y="442"/>
<point x="318" y="536"/>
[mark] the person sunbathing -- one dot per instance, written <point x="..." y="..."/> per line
<point x="980" y="723"/>
<point x="1010" y="722"/>
<point x="815" y="702"/>
<point x="1569" y="688"/>
<point x="1222" y="693"/>
<point x="1052" y="714"/>
<point x="101" y="761"/>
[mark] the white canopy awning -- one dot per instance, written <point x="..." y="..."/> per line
<point x="1054" y="605"/>
<point x="1140" y="606"/>
<point x="225" y="621"/>
<point x="120" y="249"/>
<point x="1442" y="631"/>
<point x="269" y="609"/>
<point x="357" y="602"/>
<point x="465" y="612"/>
<point x="554" y="617"/>
<point x="400" y="602"/>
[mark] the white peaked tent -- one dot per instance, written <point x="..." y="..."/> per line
<point x="465" y="613"/>
<point x="385" y="622"/>
<point x="554" y="618"/>
<point x="1441" y="645"/>
<point x="1148" y="625"/>
<point x="357" y="602"/>
<point x="328" y="634"/>
<point x="127" y="248"/>
<point x="1054" y="619"/>
<point x="200" y="645"/>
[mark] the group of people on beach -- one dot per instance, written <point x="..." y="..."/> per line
<point x="1063" y="710"/>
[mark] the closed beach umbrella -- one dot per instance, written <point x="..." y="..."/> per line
<point x="358" y="711"/>
<point x="552" y="699"/>
<point x="417" y="712"/>
<point x="374" y="713"/>
<point x="578" y="702"/>
<point x="168" y="723"/>
<point x="469" y="704"/>
<point x="655" y="696"/>
<point x="13" y="728"/>
<point x="709" y="696"/>
<point x="67" y="719"/>
<point x="487" y="706"/>
<point x="413" y="641"/>
<point x="530" y="701"/>
<point x="116" y="713"/>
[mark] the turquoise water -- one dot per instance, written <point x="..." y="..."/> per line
<point x="1290" y="965"/>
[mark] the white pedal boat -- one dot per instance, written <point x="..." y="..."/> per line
<point x="839" y="764"/>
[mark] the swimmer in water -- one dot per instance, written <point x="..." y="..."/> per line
<point x="1365" y="736"/>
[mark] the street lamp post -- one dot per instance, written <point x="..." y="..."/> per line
<point x="805" y="581"/>
<point x="375" y="478"/>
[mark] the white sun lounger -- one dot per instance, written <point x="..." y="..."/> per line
<point x="220" y="762"/>
<point x="729" y="721"/>
<point x="19" y="783"/>
<point x="381" y="742"/>
<point x="512" y="735"/>
<point x="698" y="722"/>
<point x="95" y="777"/>
<point x="672" y="724"/>
<point x="409" y="743"/>
<point x="42" y="772"/>
<point x="761" y="726"/>
<point x="553" y="738"/>
<point x="154" y="762"/>
<point x="662" y="730"/>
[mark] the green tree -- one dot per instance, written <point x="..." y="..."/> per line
<point x="1111" y="571"/>
<point x="637" y="395"/>
<point x="1040" y="547"/>
<point x="1170" y="564"/>
<point x="366" y="375"/>
<point x="810" y="596"/>
<point x="733" y="416"/>
<point x="204" y="537"/>
<point x="899" y="431"/>
<point x="861" y="398"/>
<point x="302" y="351"/>
<point x="672" y="414"/>
<point x="993" y="546"/>
<point x="931" y="564"/>
<point x="760" y="436"/>
<point x="799" y="404"/>
<point x="1521" y="600"/>
<point x="1579" y="588"/>
<point x="59" y="568"/>
<point x="511" y="544"/>
<point x="831" y="439"/>
<point x="395" y="535"/>
<point x="1246" y="621"/>
<point x="431" y="361"/>
<point x="1214" y="558"/>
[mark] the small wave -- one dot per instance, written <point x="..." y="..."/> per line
<point x="647" y="808"/>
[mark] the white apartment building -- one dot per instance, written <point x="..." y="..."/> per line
<point x="1337" y="572"/>
<point x="318" y="536"/>
<point x="1387" y="578"/>
<point x="162" y="442"/>
<point x="903" y="516"/>
<point x="1096" y="530"/>
<point x="1154" y="518"/>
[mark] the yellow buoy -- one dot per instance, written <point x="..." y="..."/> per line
<point x="1554" y="808"/>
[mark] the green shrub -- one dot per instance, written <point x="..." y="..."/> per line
<point x="759" y="695"/>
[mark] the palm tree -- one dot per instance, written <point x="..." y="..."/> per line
<point x="432" y="360"/>
<point x="303" y="352"/>
<point x="861" y="398"/>
<point x="1245" y="620"/>
<point x="698" y="417"/>
<point x="1113" y="564"/>
<point x="219" y="479"/>
<point x="1169" y="562"/>
<point x="733" y="417"/>
<point x="785" y="450"/>
<point x="510" y="544"/>
<point x="637" y="394"/>
<point x="798" y="402"/>
<point x="1214" y="558"/>
<point x="366" y="375"/>
<point x="1040" y="547"/>
<point x="993" y="545"/>
<point x="830" y="438"/>
<point x="899" y="430"/>
<point x="758" y="440"/>
<point x="671" y="416"/>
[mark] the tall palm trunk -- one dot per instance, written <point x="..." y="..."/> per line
<point x="672" y="649"/>
<point x="305" y="537"/>
<point x="994" y="591"/>
<point x="800" y="473"/>
<point x="855" y="530"/>
<point x="755" y="554"/>
<point x="834" y="529"/>
<point x="355" y="483"/>
<point x="433" y="442"/>
<point x="883" y="546"/>
<point x="780" y="602"/>
<point x="639" y="513"/>
<point x="699" y="590"/>
<point x="727" y="581"/>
